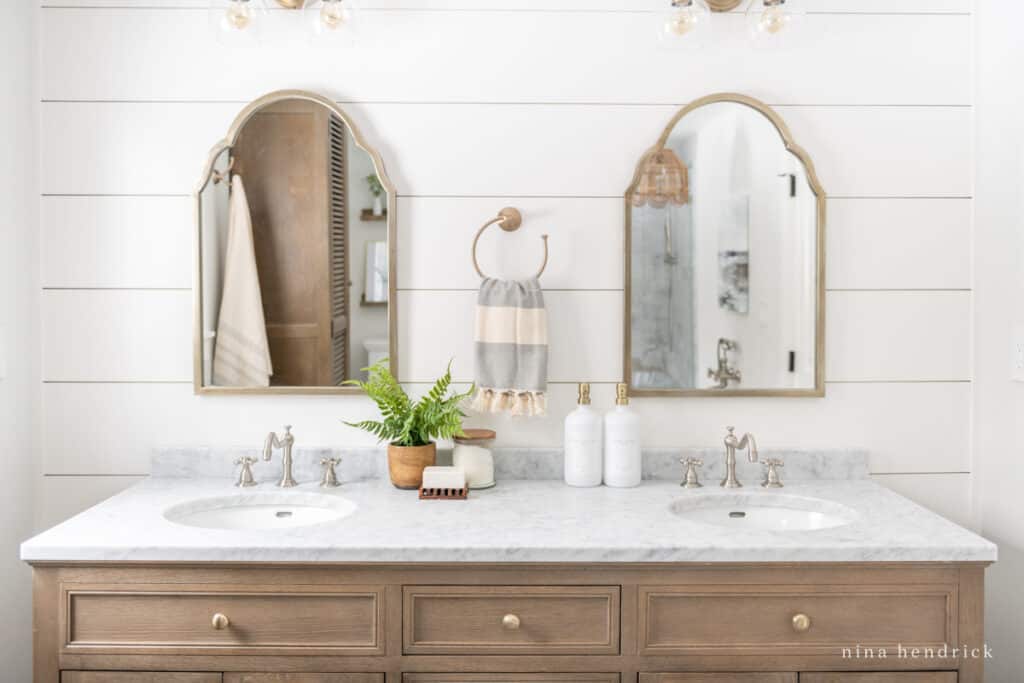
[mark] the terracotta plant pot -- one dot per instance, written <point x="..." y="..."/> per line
<point x="406" y="464"/>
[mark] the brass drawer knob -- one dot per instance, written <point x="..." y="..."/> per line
<point x="510" y="622"/>
<point x="801" y="623"/>
<point x="220" y="622"/>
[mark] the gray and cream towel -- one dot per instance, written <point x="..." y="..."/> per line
<point x="511" y="348"/>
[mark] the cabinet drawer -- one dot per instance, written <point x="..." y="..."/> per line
<point x="749" y="619"/>
<point x="510" y="678"/>
<point x="259" y="620"/>
<point x="719" y="678"/>
<point x="511" y="619"/>
<point x="908" y="677"/>
<point x="136" y="677"/>
<point x="303" y="678"/>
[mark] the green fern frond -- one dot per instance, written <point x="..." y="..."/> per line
<point x="437" y="415"/>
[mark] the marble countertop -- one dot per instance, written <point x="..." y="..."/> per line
<point x="518" y="521"/>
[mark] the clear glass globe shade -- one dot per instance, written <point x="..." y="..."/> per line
<point x="332" y="17"/>
<point x="686" y="24"/>
<point x="236" y="22"/>
<point x="775" y="21"/>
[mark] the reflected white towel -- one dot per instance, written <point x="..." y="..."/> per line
<point x="241" y="357"/>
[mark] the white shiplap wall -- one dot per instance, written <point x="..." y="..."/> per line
<point x="477" y="104"/>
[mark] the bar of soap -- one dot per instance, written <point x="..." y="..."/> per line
<point x="443" y="478"/>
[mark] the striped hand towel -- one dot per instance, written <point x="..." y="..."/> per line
<point x="511" y="348"/>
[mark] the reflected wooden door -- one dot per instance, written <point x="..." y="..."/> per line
<point x="282" y="156"/>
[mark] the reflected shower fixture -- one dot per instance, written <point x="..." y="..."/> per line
<point x="239" y="21"/>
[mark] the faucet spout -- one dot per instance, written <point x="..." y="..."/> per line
<point x="285" y="443"/>
<point x="732" y="444"/>
<point x="725" y="372"/>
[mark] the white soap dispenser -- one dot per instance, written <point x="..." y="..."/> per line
<point x="583" y="461"/>
<point x="622" y="457"/>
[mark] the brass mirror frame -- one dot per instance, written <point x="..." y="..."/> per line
<point x="818" y="390"/>
<point x="197" y="286"/>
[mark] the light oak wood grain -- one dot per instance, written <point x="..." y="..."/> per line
<point x="906" y="677"/>
<point x="495" y="587"/>
<point x="303" y="678"/>
<point x="137" y="677"/>
<point x="719" y="678"/>
<point x="154" y="618"/>
<point x="510" y="678"/>
<point x="758" y="618"/>
<point x="552" y="619"/>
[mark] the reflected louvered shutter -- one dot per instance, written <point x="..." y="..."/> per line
<point x="339" y="252"/>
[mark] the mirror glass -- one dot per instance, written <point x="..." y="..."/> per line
<point x="296" y="279"/>
<point x="724" y="227"/>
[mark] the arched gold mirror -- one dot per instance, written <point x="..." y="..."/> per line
<point x="725" y="258"/>
<point x="295" y="253"/>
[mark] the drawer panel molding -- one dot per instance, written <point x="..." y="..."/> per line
<point x="881" y="677"/>
<point x="795" y="620"/>
<point x="303" y="678"/>
<point x="150" y="619"/>
<point x="510" y="678"/>
<point x="720" y="678"/>
<point x="511" y="620"/>
<point x="137" y="677"/>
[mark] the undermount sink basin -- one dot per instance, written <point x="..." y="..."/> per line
<point x="258" y="511"/>
<point x="763" y="511"/>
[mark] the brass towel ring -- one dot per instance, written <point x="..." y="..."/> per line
<point x="225" y="175"/>
<point x="509" y="219"/>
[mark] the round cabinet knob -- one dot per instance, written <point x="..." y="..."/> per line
<point x="220" y="622"/>
<point x="801" y="623"/>
<point x="510" y="622"/>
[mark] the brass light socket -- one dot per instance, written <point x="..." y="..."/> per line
<point x="724" y="5"/>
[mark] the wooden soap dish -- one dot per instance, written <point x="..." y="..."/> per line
<point x="444" y="494"/>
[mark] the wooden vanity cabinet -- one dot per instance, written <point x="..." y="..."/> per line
<point x="138" y="677"/>
<point x="881" y="677"/>
<point x="720" y="678"/>
<point x="475" y="623"/>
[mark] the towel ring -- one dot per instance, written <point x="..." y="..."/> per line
<point x="509" y="219"/>
<point x="225" y="175"/>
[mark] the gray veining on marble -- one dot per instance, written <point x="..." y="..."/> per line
<point x="517" y="521"/>
<point x="509" y="463"/>
<point x="357" y="464"/>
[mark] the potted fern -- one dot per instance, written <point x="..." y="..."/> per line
<point x="377" y="190"/>
<point x="408" y="426"/>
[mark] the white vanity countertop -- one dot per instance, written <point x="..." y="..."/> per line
<point x="518" y="521"/>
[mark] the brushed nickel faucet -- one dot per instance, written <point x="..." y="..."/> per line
<point x="330" y="478"/>
<point x="731" y="445"/>
<point x="771" y="475"/>
<point x="725" y="373"/>
<point x="245" y="478"/>
<point x="690" y="479"/>
<point x="285" y="443"/>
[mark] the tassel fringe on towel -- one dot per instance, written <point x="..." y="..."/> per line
<point x="517" y="403"/>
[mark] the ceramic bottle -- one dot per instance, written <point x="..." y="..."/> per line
<point x="622" y="458"/>
<point x="583" y="444"/>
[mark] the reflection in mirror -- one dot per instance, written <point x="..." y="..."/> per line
<point x="725" y="226"/>
<point x="294" y="235"/>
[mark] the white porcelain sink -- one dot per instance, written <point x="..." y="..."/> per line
<point x="262" y="510"/>
<point x="763" y="511"/>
